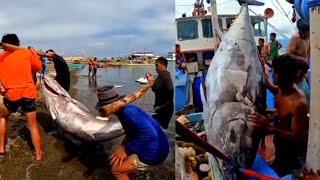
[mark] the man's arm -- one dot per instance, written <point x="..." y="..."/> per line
<point x="273" y="88"/>
<point x="299" y="123"/>
<point x="36" y="63"/>
<point x="292" y="45"/>
<point x="273" y="117"/>
<point x="158" y="83"/>
<point x="279" y="45"/>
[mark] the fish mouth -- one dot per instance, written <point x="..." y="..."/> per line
<point x="48" y="87"/>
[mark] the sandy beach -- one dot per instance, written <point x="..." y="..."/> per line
<point x="61" y="160"/>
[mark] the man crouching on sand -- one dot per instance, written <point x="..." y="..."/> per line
<point x="16" y="68"/>
<point x="145" y="142"/>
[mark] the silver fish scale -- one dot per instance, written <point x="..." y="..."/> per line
<point x="233" y="86"/>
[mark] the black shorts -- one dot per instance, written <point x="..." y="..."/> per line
<point x="94" y="70"/>
<point x="163" y="117"/>
<point x="27" y="105"/>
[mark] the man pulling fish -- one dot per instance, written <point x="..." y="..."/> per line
<point x="145" y="142"/>
<point x="162" y="86"/>
<point x="61" y="67"/>
<point x="291" y="112"/>
<point x="20" y="90"/>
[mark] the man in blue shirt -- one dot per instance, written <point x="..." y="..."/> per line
<point x="145" y="142"/>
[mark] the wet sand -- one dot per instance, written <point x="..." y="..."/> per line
<point x="62" y="160"/>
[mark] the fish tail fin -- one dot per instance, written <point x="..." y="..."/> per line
<point x="251" y="2"/>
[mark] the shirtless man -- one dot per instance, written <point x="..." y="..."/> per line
<point x="291" y="112"/>
<point x="299" y="44"/>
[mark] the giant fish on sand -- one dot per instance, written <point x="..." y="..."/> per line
<point x="74" y="118"/>
<point x="234" y="88"/>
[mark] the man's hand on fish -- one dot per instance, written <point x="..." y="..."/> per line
<point x="261" y="122"/>
<point x="118" y="156"/>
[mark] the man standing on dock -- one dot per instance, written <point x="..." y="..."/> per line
<point x="162" y="86"/>
<point x="61" y="67"/>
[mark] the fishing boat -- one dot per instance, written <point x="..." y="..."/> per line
<point x="195" y="37"/>
<point x="142" y="80"/>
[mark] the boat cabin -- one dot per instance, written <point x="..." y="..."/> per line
<point x="195" y="36"/>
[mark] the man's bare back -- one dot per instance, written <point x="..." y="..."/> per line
<point x="292" y="112"/>
<point x="290" y="133"/>
<point x="291" y="126"/>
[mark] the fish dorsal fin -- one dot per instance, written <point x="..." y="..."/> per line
<point x="52" y="112"/>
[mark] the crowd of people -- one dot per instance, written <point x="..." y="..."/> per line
<point x="291" y="89"/>
<point x="289" y="122"/>
<point x="19" y="86"/>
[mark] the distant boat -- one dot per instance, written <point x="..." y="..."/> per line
<point x="142" y="80"/>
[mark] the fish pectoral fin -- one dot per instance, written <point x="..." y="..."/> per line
<point x="52" y="112"/>
<point x="79" y="104"/>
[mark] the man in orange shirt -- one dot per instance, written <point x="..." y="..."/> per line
<point x="16" y="75"/>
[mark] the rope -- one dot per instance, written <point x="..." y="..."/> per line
<point x="281" y="34"/>
<point x="286" y="15"/>
<point x="303" y="6"/>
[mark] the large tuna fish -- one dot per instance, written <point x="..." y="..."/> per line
<point x="74" y="118"/>
<point x="234" y="89"/>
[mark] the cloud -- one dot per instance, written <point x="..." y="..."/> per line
<point x="279" y="21"/>
<point x="101" y="28"/>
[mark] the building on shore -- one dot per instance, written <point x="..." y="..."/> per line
<point x="142" y="55"/>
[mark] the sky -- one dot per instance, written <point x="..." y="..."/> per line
<point x="100" y="28"/>
<point x="279" y="20"/>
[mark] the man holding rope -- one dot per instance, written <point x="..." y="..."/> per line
<point x="162" y="86"/>
<point x="16" y="75"/>
<point x="62" y="69"/>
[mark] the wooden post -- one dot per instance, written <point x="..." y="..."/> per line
<point x="313" y="151"/>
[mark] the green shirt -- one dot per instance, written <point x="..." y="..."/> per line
<point x="274" y="49"/>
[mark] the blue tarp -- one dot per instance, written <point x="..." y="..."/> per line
<point x="182" y="88"/>
<point x="262" y="167"/>
<point x="270" y="96"/>
<point x="197" y="103"/>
